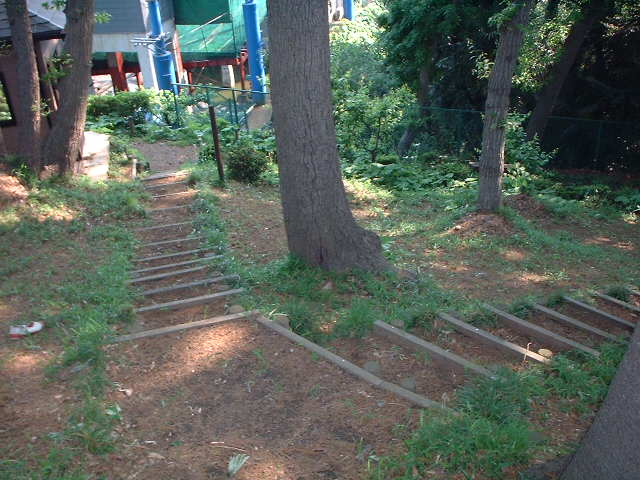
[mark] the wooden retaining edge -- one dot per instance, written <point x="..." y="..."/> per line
<point x="160" y="175"/>
<point x="160" y="276"/>
<point x="165" y="195"/>
<point x="160" y="227"/>
<point x="615" y="301"/>
<point x="181" y="286"/>
<point x="572" y="321"/>
<point x="537" y="332"/>
<point x="169" y="242"/>
<point x="491" y="340"/>
<point x="207" y="322"/>
<point x="179" y="264"/>
<point x="170" y="255"/>
<point x="349" y="367"/>
<point x="166" y="209"/>
<point x="600" y="313"/>
<point x="440" y="355"/>
<point x="189" y="302"/>
<point x="160" y="185"/>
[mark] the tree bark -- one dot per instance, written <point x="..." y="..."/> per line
<point x="410" y="133"/>
<point x="611" y="448"/>
<point x="496" y="109"/>
<point x="593" y="12"/>
<point x="320" y="227"/>
<point x="64" y="142"/>
<point x="28" y="115"/>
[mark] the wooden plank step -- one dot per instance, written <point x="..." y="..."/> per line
<point x="160" y="227"/>
<point x="179" y="264"/>
<point x="170" y="255"/>
<point x="175" y="194"/>
<point x="350" y="368"/>
<point x="537" y="332"/>
<point x="170" y="242"/>
<point x="160" y="185"/>
<point x="207" y="322"/>
<point x="167" y="209"/>
<point x="599" y="313"/>
<point x="572" y="321"/>
<point x="181" y="286"/>
<point x="492" y="340"/>
<point x="166" y="174"/>
<point x="189" y="302"/>
<point x="439" y="355"/>
<point x="617" y="302"/>
<point x="174" y="273"/>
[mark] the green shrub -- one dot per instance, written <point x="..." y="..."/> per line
<point x="124" y="105"/>
<point x="245" y="163"/>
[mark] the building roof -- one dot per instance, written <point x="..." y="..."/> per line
<point x="41" y="27"/>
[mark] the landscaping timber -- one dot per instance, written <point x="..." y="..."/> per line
<point x="597" y="312"/>
<point x="181" y="286"/>
<point x="179" y="264"/>
<point x="539" y="333"/>
<point x="161" y="227"/>
<point x="189" y="302"/>
<point x="160" y="185"/>
<point x="167" y="209"/>
<point x="572" y="321"/>
<point x="207" y="322"/>
<point x="174" y="273"/>
<point x="170" y="255"/>
<point x="492" y="340"/>
<point x="170" y="242"/>
<point x="160" y="175"/>
<point x="165" y="195"/>
<point x="617" y="302"/>
<point x="440" y="355"/>
<point x="350" y="368"/>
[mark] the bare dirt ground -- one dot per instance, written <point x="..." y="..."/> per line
<point x="164" y="156"/>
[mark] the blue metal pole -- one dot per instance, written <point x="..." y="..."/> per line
<point x="165" y="71"/>
<point x="254" y="46"/>
<point x="349" y="9"/>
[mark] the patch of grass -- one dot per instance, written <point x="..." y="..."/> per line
<point x="357" y="320"/>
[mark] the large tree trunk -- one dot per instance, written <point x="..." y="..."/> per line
<point x="320" y="227"/>
<point x="28" y="106"/>
<point x="611" y="448"/>
<point x="64" y="142"/>
<point x="410" y="133"/>
<point x="496" y="109"/>
<point x="592" y="13"/>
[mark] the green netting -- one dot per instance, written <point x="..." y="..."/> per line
<point x="208" y="41"/>
<point x="199" y="12"/>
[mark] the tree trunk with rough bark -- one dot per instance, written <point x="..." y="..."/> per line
<point x="320" y="227"/>
<point x="28" y="115"/>
<point x="410" y="133"/>
<point x="496" y="109"/>
<point x="64" y="142"/>
<point x="593" y="12"/>
<point x="611" y="448"/>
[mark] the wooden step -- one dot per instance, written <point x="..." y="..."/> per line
<point x="170" y="255"/>
<point x="167" y="209"/>
<point x="160" y="227"/>
<point x="598" y="313"/>
<point x="573" y="322"/>
<point x="189" y="302"/>
<point x="166" y="174"/>
<point x="207" y="322"/>
<point x="439" y="355"/>
<point x="175" y="194"/>
<point x="179" y="264"/>
<point x="174" y="273"/>
<point x="181" y="286"/>
<point x="161" y="185"/>
<point x="171" y="242"/>
<point x="541" y="334"/>
<point x="617" y="302"/>
<point x="492" y="340"/>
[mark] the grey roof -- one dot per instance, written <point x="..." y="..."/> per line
<point x="126" y="16"/>
<point x="40" y="27"/>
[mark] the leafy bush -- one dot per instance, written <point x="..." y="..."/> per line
<point x="123" y="105"/>
<point x="245" y="163"/>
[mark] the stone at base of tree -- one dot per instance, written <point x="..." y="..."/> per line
<point x="545" y="352"/>
<point x="282" y="319"/>
<point x="409" y="383"/>
<point x="233" y="309"/>
<point x="548" y="470"/>
<point x="372" y="367"/>
<point x="396" y="322"/>
<point x="404" y="274"/>
<point x="328" y="286"/>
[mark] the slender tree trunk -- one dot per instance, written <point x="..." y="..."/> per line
<point x="410" y="133"/>
<point x="546" y="99"/>
<point x="28" y="109"/>
<point x="496" y="109"/>
<point x="63" y="143"/>
<point x="320" y="227"/>
<point x="611" y="448"/>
